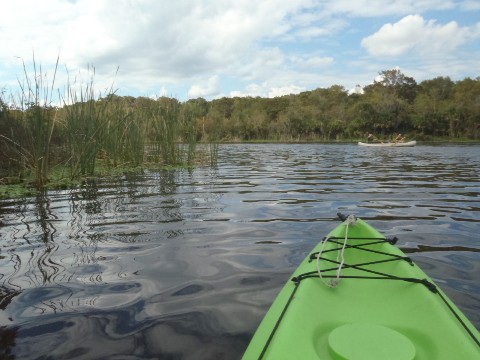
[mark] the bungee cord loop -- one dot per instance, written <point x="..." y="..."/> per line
<point x="333" y="282"/>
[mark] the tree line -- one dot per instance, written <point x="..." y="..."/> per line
<point x="83" y="128"/>
<point x="436" y="108"/>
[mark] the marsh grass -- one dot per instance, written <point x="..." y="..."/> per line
<point x="123" y="136"/>
<point x="174" y="133"/>
<point x="34" y="109"/>
<point x="86" y="125"/>
<point x="165" y="126"/>
<point x="81" y="132"/>
<point x="190" y="114"/>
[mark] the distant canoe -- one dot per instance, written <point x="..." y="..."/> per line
<point x="390" y="144"/>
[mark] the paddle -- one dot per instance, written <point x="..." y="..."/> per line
<point x="371" y="136"/>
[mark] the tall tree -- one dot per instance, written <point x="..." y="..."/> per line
<point x="467" y="107"/>
<point x="432" y="113"/>
<point x="391" y="96"/>
<point x="401" y="85"/>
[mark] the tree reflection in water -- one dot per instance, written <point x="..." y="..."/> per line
<point x="184" y="263"/>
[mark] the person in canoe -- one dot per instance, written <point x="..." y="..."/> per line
<point x="399" y="138"/>
<point x="372" y="139"/>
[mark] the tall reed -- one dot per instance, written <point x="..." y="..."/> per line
<point x="174" y="128"/>
<point x="10" y="159"/>
<point x="81" y="127"/>
<point x="165" y="126"/>
<point x="123" y="140"/>
<point x="191" y="112"/>
<point x="92" y="125"/>
<point x="38" y="113"/>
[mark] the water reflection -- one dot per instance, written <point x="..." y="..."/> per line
<point x="8" y="338"/>
<point x="184" y="264"/>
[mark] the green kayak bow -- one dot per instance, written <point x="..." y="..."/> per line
<point x="357" y="296"/>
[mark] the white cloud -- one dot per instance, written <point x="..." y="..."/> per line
<point x="285" y="90"/>
<point x="316" y="27"/>
<point x="358" y="89"/>
<point x="267" y="90"/>
<point x="260" y="64"/>
<point x="471" y="5"/>
<point x="210" y="88"/>
<point x="414" y="34"/>
<point x="369" y="8"/>
<point x="207" y="48"/>
<point x="311" y="61"/>
<point x="252" y="90"/>
<point x="151" y="41"/>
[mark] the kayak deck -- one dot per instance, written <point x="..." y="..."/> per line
<point x="384" y="306"/>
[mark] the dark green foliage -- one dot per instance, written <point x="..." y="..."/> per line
<point x="29" y="124"/>
<point x="119" y="132"/>
<point x="393" y="104"/>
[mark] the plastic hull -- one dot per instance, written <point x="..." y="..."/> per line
<point x="373" y="312"/>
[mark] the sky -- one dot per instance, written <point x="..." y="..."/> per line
<point x="214" y="48"/>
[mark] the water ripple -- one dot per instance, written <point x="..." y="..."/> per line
<point x="185" y="263"/>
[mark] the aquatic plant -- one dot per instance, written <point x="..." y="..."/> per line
<point x="191" y="111"/>
<point x="165" y="126"/>
<point x="40" y="133"/>
<point x="36" y="112"/>
<point x="123" y="134"/>
<point x="81" y="127"/>
<point x="101" y="126"/>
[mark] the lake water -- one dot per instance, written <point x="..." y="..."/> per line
<point x="184" y="264"/>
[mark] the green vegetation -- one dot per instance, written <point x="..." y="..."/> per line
<point x="28" y="125"/>
<point x="80" y="129"/>
<point x="55" y="139"/>
<point x="433" y="109"/>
